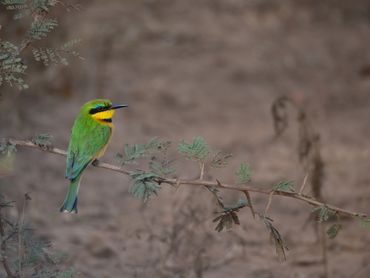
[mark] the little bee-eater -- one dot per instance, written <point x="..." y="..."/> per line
<point x="90" y="136"/>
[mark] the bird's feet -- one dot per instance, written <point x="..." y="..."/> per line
<point x="95" y="162"/>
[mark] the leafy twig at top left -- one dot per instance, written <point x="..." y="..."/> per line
<point x="12" y="65"/>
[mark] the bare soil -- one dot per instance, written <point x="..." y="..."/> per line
<point x="209" y="68"/>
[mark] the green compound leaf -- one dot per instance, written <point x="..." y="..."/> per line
<point x="34" y="248"/>
<point x="243" y="174"/>
<point x="40" y="28"/>
<point x="7" y="148"/>
<point x="43" y="5"/>
<point x="7" y="157"/>
<point x="12" y="66"/>
<point x="285" y="186"/>
<point x="323" y="213"/>
<point x="161" y="169"/>
<point x="333" y="230"/>
<point x="197" y="150"/>
<point x="364" y="222"/>
<point x="143" y="185"/>
<point x="276" y="238"/>
<point x="135" y="151"/>
<point x="226" y="221"/>
<point x="43" y="140"/>
<point x="70" y="272"/>
<point x="49" y="56"/>
<point x="229" y="215"/>
<point x="14" y="4"/>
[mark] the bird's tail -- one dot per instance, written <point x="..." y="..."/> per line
<point x="70" y="202"/>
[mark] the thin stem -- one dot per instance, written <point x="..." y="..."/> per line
<point x="304" y="183"/>
<point x="324" y="247"/>
<point x="177" y="182"/>
<point x="201" y="166"/>
<point x="20" y="240"/>
<point x="268" y="203"/>
<point x="3" y="248"/>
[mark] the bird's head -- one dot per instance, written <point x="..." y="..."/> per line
<point x="101" y="110"/>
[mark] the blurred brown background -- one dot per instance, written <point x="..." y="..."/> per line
<point x="208" y="68"/>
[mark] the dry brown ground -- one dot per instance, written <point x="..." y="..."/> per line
<point x="210" y="68"/>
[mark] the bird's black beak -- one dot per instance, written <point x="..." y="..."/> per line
<point x="117" y="106"/>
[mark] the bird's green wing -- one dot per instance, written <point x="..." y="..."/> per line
<point x="87" y="140"/>
<point x="76" y="163"/>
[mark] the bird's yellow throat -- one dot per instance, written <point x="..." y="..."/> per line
<point x="104" y="117"/>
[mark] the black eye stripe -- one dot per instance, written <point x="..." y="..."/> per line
<point x="98" y="109"/>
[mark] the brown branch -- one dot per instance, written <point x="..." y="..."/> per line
<point x="177" y="182"/>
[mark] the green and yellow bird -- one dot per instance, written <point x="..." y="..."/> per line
<point x="90" y="136"/>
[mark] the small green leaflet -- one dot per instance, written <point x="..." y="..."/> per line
<point x="143" y="185"/>
<point x="285" y="186"/>
<point x="196" y="150"/>
<point x="333" y="230"/>
<point x="243" y="174"/>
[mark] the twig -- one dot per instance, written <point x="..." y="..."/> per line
<point x="20" y="229"/>
<point x="304" y="183"/>
<point x="201" y="165"/>
<point x="176" y="181"/>
<point x="324" y="247"/>
<point x="25" y="44"/>
<point x="248" y="196"/>
<point x="269" y="202"/>
<point x="3" y="248"/>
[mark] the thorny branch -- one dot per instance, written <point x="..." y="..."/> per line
<point x="177" y="182"/>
